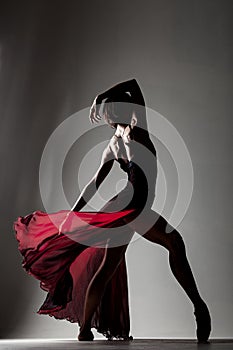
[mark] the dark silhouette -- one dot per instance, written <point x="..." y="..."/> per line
<point x="123" y="108"/>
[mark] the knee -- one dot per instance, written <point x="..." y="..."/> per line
<point x="176" y="241"/>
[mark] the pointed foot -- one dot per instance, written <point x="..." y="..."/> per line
<point x="203" y="321"/>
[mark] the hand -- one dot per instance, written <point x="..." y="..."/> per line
<point x="94" y="115"/>
<point x="61" y="229"/>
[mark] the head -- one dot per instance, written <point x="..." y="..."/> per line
<point x="118" y="109"/>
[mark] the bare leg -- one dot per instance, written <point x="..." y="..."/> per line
<point x="111" y="261"/>
<point x="179" y="264"/>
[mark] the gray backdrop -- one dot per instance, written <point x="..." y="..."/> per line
<point x="55" y="56"/>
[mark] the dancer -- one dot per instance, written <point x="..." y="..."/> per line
<point x="88" y="297"/>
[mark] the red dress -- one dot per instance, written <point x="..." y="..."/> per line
<point x="65" y="262"/>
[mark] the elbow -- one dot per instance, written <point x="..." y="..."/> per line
<point x="134" y="80"/>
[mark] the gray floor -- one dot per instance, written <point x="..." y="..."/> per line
<point x="136" y="344"/>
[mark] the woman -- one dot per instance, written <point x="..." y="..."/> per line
<point x="123" y="108"/>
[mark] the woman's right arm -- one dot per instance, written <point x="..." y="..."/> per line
<point x="91" y="188"/>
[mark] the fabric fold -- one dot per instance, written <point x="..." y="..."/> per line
<point x="65" y="260"/>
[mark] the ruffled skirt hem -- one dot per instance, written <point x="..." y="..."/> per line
<point x="64" y="264"/>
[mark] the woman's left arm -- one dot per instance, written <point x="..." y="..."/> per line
<point x="130" y="86"/>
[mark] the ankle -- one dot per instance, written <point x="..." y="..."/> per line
<point x="84" y="329"/>
<point x="199" y="304"/>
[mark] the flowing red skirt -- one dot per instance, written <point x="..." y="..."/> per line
<point x="64" y="262"/>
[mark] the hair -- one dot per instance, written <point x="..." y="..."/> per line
<point x="118" y="109"/>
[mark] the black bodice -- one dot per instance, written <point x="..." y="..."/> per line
<point x="137" y="179"/>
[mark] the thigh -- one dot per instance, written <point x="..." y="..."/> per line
<point x="153" y="227"/>
<point x="114" y="253"/>
<point x="112" y="259"/>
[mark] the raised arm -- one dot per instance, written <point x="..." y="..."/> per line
<point x="131" y="86"/>
<point x="91" y="188"/>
